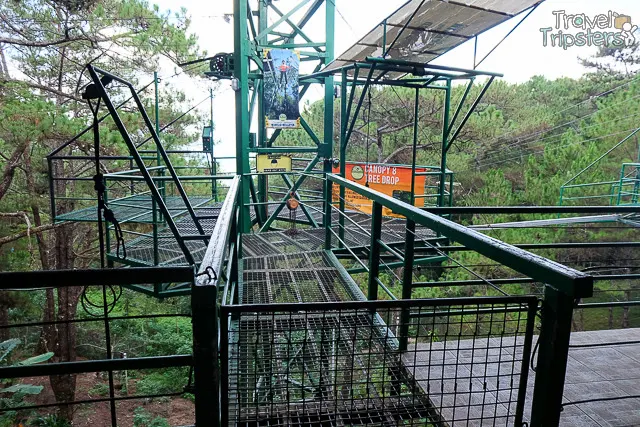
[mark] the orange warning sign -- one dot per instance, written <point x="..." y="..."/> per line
<point x="394" y="181"/>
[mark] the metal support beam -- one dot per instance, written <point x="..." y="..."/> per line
<point x="374" y="254"/>
<point x="293" y="189"/>
<point x="470" y="112"/>
<point x="557" y="311"/>
<point x="284" y="18"/>
<point x="445" y="144"/>
<point x="243" y="119"/>
<point x="407" y="279"/>
<point x="204" y="307"/>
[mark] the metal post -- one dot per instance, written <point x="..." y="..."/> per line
<point x="343" y="150"/>
<point x="52" y="192"/>
<point x="557" y="311"/>
<point x="407" y="282"/>
<point x="263" y="180"/>
<point x="205" y="353"/>
<point x="243" y="120"/>
<point x="445" y="144"/>
<point x="154" y="211"/>
<point x="224" y="369"/>
<point x="107" y="239"/>
<point x="374" y="255"/>
<point x="328" y="109"/>
<point x="621" y="186"/>
<point x="214" y="167"/>
<point x="328" y="190"/>
<point x="154" y="219"/>
<point x="156" y="80"/>
<point x="416" y="109"/>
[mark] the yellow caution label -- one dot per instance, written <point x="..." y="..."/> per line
<point x="273" y="163"/>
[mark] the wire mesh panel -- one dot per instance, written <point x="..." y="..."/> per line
<point x="341" y="363"/>
<point x="302" y="277"/>
<point x="118" y="352"/>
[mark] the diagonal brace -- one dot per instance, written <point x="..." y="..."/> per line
<point x="293" y="189"/>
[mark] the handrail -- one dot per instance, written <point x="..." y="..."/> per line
<point x="94" y="277"/>
<point x="215" y="255"/>
<point x="570" y="281"/>
<point x="204" y="304"/>
<point x="601" y="157"/>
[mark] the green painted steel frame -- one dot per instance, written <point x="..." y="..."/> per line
<point x="250" y="39"/>
<point x="427" y="75"/>
<point x="204" y="341"/>
<point x="94" y="73"/>
<point x="570" y="183"/>
<point x="564" y="286"/>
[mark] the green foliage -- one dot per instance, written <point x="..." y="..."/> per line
<point x="99" y="389"/>
<point x="12" y="395"/>
<point x="168" y="381"/>
<point x="142" y="418"/>
<point x="50" y="420"/>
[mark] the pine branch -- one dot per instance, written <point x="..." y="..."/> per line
<point x="43" y="88"/>
<point x="28" y="232"/>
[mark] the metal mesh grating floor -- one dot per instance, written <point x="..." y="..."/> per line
<point x="140" y="250"/>
<point x="137" y="208"/>
<point x="312" y="239"/>
<point x="320" y="369"/>
<point x="341" y="364"/>
<point x="295" y="278"/>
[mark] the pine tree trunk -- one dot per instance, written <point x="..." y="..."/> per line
<point x="63" y="337"/>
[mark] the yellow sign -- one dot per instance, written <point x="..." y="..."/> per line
<point x="273" y="163"/>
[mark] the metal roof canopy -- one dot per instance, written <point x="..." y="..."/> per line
<point x="422" y="30"/>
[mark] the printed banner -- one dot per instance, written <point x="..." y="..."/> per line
<point x="394" y="181"/>
<point x="281" y="88"/>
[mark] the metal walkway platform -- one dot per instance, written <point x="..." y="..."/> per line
<point x="296" y="278"/>
<point x="286" y="358"/>
<point x="138" y="209"/>
<point x="312" y="239"/>
<point x="320" y="369"/>
<point x="603" y="376"/>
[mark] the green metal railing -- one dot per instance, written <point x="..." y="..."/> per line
<point x="564" y="286"/>
<point x="218" y="269"/>
<point x="106" y="281"/>
<point x="604" y="191"/>
<point x="628" y="188"/>
<point x="624" y="191"/>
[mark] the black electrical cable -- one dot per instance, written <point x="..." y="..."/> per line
<point x="102" y="212"/>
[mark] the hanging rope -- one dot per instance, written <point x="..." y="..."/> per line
<point x="103" y="211"/>
<point x="100" y="187"/>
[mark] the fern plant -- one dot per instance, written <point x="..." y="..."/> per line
<point x="12" y="395"/>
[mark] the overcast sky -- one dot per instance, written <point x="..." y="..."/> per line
<point x="520" y="57"/>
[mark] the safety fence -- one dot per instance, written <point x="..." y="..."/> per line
<point x="563" y="285"/>
<point x="102" y="362"/>
<point x="341" y="364"/>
